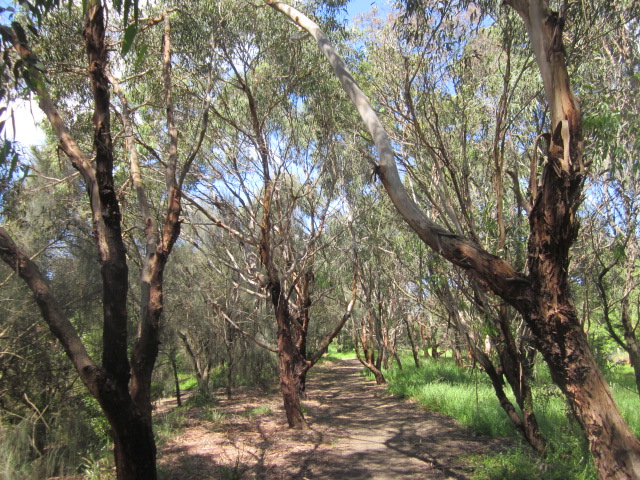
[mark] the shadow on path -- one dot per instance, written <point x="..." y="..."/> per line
<point x="378" y="436"/>
<point x="357" y="432"/>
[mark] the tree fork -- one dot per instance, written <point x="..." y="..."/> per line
<point x="558" y="333"/>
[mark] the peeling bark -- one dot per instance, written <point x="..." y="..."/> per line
<point x="541" y="297"/>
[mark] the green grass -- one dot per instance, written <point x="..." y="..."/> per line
<point x="459" y="393"/>
<point x="165" y="425"/>
<point x="467" y="396"/>
<point x="263" y="411"/>
<point x="188" y="383"/>
<point x="333" y="354"/>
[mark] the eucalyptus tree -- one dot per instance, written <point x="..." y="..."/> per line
<point x="540" y="295"/>
<point x="377" y="250"/>
<point x="457" y="90"/>
<point x="81" y="120"/>
<point x="609" y="79"/>
<point x="223" y="324"/>
<point x="269" y="177"/>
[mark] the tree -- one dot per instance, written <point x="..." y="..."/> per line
<point x="542" y="296"/>
<point x="121" y="385"/>
<point x="268" y="181"/>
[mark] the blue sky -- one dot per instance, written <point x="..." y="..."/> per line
<point x="356" y="7"/>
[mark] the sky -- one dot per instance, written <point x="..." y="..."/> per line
<point x="27" y="116"/>
<point x="356" y="7"/>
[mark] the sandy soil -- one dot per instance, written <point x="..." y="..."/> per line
<point x="357" y="432"/>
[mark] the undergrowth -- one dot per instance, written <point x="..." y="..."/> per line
<point x="466" y="395"/>
<point x="333" y="354"/>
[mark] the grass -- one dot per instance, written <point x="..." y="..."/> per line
<point x="167" y="424"/>
<point x="187" y="383"/>
<point x="467" y="395"/>
<point x="262" y="411"/>
<point x="333" y="354"/>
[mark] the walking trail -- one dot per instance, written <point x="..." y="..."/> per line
<point x="357" y="432"/>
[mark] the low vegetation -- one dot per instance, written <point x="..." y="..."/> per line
<point x="466" y="395"/>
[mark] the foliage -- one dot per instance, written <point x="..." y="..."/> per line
<point x="438" y="87"/>
<point x="466" y="395"/>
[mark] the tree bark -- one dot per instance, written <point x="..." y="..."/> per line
<point x="367" y="358"/>
<point x="542" y="297"/>
<point x="290" y="362"/>
<point x="122" y="388"/>
<point x="414" y="348"/>
<point x="632" y="347"/>
<point x="201" y="371"/>
<point x="176" y="380"/>
<point x="134" y="445"/>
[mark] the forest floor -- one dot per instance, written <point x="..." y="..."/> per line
<point x="358" y="431"/>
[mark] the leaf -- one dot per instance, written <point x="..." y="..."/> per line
<point x="619" y="252"/>
<point x="142" y="53"/>
<point x="39" y="65"/>
<point x="127" y="41"/>
<point x="14" y="163"/>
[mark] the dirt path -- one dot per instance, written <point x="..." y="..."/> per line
<point x="357" y="432"/>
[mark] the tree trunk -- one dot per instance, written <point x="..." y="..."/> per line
<point x="632" y="347"/>
<point x="414" y="348"/>
<point x="176" y="380"/>
<point x="542" y="296"/>
<point x="397" y="358"/>
<point x="367" y="359"/>
<point x="517" y="371"/>
<point x="201" y="371"/>
<point x="229" y="383"/>
<point x="564" y="345"/>
<point x="290" y="367"/>
<point x="133" y="444"/>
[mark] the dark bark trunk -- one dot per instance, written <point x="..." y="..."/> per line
<point x="111" y="248"/>
<point x="615" y="449"/>
<point x="632" y="347"/>
<point x="133" y="441"/>
<point x="552" y="317"/>
<point x="517" y="371"/>
<point x="380" y="380"/>
<point x="290" y="366"/>
<point x="414" y="348"/>
<point x="229" y="384"/>
<point x="434" y="352"/>
<point x="290" y="363"/>
<point x="176" y="380"/>
<point x="498" y="383"/>
<point x="542" y="297"/>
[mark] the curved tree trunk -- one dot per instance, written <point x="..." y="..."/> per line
<point x="367" y="357"/>
<point x="542" y="296"/>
